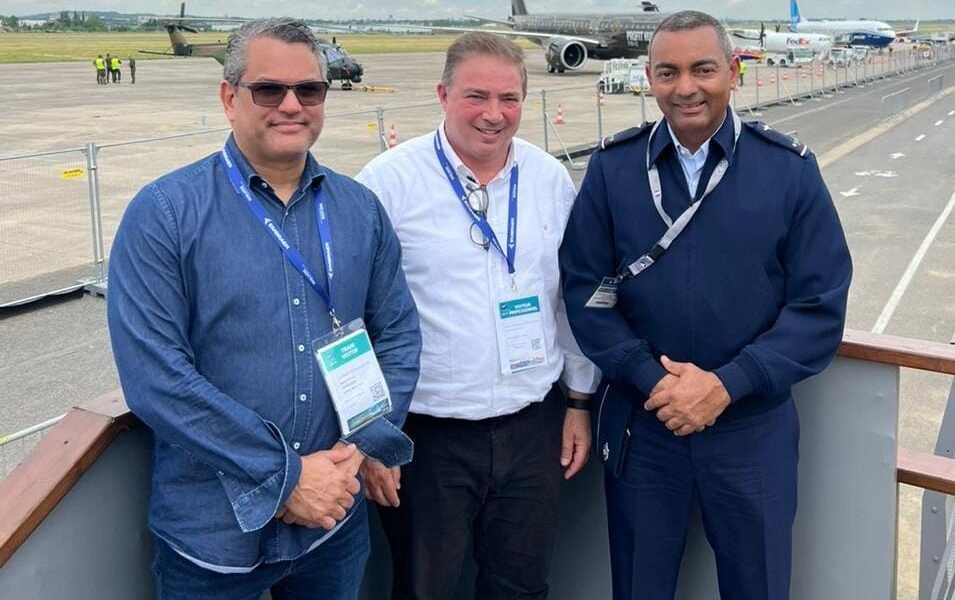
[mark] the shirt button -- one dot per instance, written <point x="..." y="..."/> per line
<point x="303" y="397"/>
<point x="301" y="347"/>
<point x="296" y="445"/>
<point x="296" y="301"/>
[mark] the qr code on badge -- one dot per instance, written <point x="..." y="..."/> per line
<point x="378" y="391"/>
<point x="536" y="344"/>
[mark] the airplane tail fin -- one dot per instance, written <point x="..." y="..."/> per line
<point x="518" y="8"/>
<point x="794" y="17"/>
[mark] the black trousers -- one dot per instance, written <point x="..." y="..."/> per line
<point x="495" y="481"/>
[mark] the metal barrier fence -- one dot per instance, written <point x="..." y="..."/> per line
<point x="60" y="210"/>
<point x="893" y="103"/>
<point x="14" y="447"/>
<point x="936" y="84"/>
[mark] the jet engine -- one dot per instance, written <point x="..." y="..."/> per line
<point x="563" y="54"/>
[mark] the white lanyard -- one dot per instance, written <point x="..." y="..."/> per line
<point x="675" y="228"/>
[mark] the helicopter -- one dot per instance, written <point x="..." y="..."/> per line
<point x="341" y="66"/>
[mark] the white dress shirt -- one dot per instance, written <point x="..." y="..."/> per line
<point x="456" y="283"/>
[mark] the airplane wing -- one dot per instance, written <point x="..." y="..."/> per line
<point x="532" y="35"/>
<point x="488" y="20"/>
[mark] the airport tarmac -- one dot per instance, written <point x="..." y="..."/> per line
<point x="893" y="192"/>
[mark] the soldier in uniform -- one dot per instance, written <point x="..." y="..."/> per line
<point x="704" y="283"/>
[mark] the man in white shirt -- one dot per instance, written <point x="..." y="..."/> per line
<point x="480" y="216"/>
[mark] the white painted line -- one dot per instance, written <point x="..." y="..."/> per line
<point x="939" y="122"/>
<point x="853" y="192"/>
<point x="893" y="302"/>
<point x="920" y="138"/>
<point x="951" y="112"/>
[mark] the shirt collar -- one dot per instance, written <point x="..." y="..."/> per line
<point x="723" y="138"/>
<point x="462" y="169"/>
<point x="311" y="176"/>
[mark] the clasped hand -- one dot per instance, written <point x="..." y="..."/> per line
<point x="326" y="489"/>
<point x="687" y="399"/>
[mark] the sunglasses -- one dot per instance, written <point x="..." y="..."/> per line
<point x="267" y="93"/>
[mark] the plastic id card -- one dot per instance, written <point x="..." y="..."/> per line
<point x="353" y="376"/>
<point x="605" y="296"/>
<point x="520" y="334"/>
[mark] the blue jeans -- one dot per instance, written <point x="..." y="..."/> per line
<point x="332" y="571"/>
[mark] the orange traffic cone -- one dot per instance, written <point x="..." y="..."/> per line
<point x="759" y="82"/>
<point x="785" y="75"/>
<point x="802" y="75"/>
<point x="601" y="97"/>
<point x="772" y="80"/>
<point x="560" y="115"/>
<point x="392" y="138"/>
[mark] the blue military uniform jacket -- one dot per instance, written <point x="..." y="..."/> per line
<point x="754" y="288"/>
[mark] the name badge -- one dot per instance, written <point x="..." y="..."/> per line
<point x="605" y="296"/>
<point x="520" y="334"/>
<point x="353" y="376"/>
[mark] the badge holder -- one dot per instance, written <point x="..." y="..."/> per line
<point x="520" y="333"/>
<point x="353" y="376"/>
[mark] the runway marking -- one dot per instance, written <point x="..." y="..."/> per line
<point x="951" y="112"/>
<point x="939" y="122"/>
<point x="896" y="155"/>
<point x="876" y="173"/>
<point x="920" y="138"/>
<point x="893" y="302"/>
<point x="853" y="192"/>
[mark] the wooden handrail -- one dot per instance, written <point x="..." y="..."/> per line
<point x="926" y="470"/>
<point x="936" y="357"/>
<point x="35" y="487"/>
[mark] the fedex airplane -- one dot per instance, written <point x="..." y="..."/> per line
<point x="858" y="33"/>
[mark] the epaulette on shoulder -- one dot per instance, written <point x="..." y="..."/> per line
<point x="781" y="139"/>
<point x="627" y="134"/>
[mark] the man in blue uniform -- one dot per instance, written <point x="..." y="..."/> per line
<point x="703" y="291"/>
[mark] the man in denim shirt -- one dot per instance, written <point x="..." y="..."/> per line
<point x="212" y="329"/>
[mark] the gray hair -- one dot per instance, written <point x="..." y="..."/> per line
<point x="687" y="20"/>
<point x="284" y="29"/>
<point x="483" y="44"/>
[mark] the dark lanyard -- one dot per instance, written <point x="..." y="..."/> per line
<point x="674" y="228"/>
<point x="481" y="222"/>
<point x="278" y="236"/>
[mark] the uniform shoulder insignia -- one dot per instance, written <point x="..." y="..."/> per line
<point x="768" y="133"/>
<point x="627" y="134"/>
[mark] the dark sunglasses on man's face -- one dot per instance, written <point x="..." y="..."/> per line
<point x="271" y="94"/>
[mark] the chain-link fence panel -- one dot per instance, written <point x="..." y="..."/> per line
<point x="45" y="234"/>
<point x="125" y="168"/>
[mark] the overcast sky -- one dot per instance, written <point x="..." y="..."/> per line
<point x="746" y="9"/>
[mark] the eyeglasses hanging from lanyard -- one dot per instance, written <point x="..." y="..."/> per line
<point x="674" y="228"/>
<point x="479" y="220"/>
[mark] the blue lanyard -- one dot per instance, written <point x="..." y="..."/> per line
<point x="481" y="222"/>
<point x="288" y="250"/>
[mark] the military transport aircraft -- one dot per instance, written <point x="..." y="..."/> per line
<point x="570" y="39"/>
<point x="341" y="65"/>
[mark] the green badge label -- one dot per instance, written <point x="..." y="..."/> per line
<point x="519" y="306"/>
<point x="345" y="351"/>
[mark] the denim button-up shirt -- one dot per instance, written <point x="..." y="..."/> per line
<point x="212" y="328"/>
